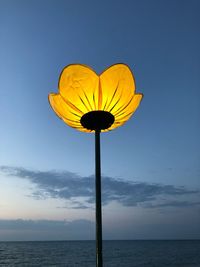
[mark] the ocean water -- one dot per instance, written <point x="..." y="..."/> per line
<point x="116" y="253"/>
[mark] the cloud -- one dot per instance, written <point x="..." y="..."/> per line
<point x="21" y="229"/>
<point x="80" y="190"/>
<point x="21" y="224"/>
<point x="173" y="203"/>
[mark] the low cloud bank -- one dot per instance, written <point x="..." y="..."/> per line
<point x="72" y="187"/>
<point x="22" y="230"/>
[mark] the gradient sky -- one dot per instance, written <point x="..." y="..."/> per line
<point x="150" y="166"/>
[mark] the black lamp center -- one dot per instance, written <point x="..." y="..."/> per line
<point x="97" y="120"/>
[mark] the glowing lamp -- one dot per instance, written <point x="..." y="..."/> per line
<point x="96" y="103"/>
<point x="87" y="101"/>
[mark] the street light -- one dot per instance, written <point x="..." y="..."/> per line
<point x="96" y="103"/>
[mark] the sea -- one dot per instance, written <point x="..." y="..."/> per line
<point x="179" y="253"/>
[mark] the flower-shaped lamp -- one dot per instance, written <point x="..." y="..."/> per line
<point x="96" y="103"/>
<point x="88" y="102"/>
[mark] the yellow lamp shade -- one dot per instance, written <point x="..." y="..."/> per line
<point x="82" y="91"/>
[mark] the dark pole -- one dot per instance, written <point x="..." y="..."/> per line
<point x="99" y="261"/>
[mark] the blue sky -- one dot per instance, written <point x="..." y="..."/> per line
<point x="150" y="166"/>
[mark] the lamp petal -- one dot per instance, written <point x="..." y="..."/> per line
<point x="79" y="85"/>
<point x="63" y="110"/>
<point x="126" y="111"/>
<point x="118" y="87"/>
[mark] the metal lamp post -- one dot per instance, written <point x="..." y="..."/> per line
<point x="96" y="103"/>
<point x="97" y="121"/>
